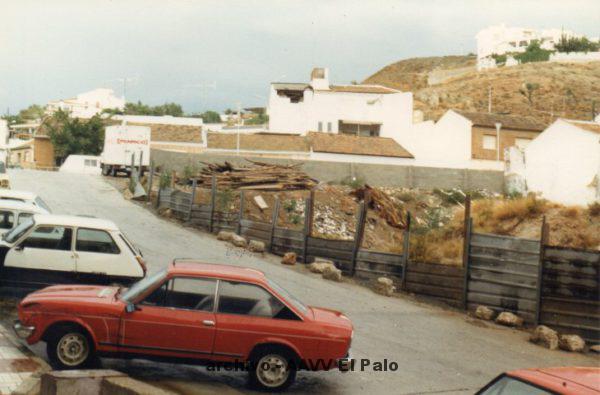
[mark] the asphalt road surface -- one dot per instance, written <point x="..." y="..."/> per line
<point x="437" y="350"/>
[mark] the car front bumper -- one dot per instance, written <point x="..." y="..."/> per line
<point x="23" y="331"/>
<point x="345" y="364"/>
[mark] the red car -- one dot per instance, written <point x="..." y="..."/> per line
<point x="546" y="381"/>
<point x="190" y="312"/>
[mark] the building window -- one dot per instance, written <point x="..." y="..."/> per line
<point x="359" y="129"/>
<point x="522" y="143"/>
<point x="320" y="126"/>
<point x="329" y="126"/>
<point x="489" y="142"/>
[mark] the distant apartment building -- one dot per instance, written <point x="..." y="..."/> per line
<point x="319" y="106"/>
<point x="502" y="39"/>
<point x="87" y="104"/>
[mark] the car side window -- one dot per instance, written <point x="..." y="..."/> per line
<point x="23" y="217"/>
<point x="191" y="293"/>
<point x="7" y="219"/>
<point x="249" y="299"/>
<point x="157" y="297"/>
<point x="50" y="238"/>
<point x="94" y="240"/>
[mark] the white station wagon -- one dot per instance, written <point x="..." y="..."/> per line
<point x="59" y="249"/>
<point x="14" y="212"/>
<point x="23" y="196"/>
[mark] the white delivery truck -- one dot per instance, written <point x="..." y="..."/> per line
<point x="121" y="144"/>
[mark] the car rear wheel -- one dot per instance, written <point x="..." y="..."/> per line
<point x="70" y="349"/>
<point x="272" y="369"/>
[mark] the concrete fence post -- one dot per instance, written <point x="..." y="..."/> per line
<point x="308" y="207"/>
<point x="406" y="250"/>
<point x="150" y="180"/>
<point x="274" y="219"/>
<point x="191" y="208"/>
<point x="540" y="274"/>
<point x="213" y="198"/>
<point x="158" y="196"/>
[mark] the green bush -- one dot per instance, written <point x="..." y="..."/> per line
<point x="165" y="179"/>
<point x="533" y="53"/>
<point x="574" y="44"/>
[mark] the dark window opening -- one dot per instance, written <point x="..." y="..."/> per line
<point x="357" y="129"/>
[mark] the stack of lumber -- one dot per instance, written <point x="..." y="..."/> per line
<point x="257" y="176"/>
<point x="381" y="203"/>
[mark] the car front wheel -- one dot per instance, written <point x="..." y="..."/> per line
<point x="70" y="349"/>
<point x="272" y="370"/>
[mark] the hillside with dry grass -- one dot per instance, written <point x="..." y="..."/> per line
<point x="452" y="82"/>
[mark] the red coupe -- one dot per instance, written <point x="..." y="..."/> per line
<point x="190" y="312"/>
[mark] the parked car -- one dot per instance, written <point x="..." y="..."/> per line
<point x="189" y="312"/>
<point x="24" y="196"/>
<point x="541" y="381"/>
<point x="58" y="249"/>
<point x="13" y="213"/>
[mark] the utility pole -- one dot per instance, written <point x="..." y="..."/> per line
<point x="238" y="126"/>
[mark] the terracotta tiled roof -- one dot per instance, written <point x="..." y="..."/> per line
<point x="258" y="141"/>
<point x="356" y="145"/>
<point x="174" y="133"/>
<point x="589" y="126"/>
<point x="507" y="121"/>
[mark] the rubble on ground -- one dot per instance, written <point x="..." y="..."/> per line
<point x="256" y="246"/>
<point x="509" y="319"/>
<point x="225" y="235"/>
<point x="484" y="313"/>
<point x="545" y="336"/>
<point x="319" y="265"/>
<point x="289" y="258"/>
<point x="238" y="241"/>
<point x="571" y="343"/>
<point x="384" y="286"/>
<point x="330" y="272"/>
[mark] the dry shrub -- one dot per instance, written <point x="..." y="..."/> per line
<point x="570" y="212"/>
<point x="520" y="208"/>
<point x="594" y="209"/>
<point x="436" y="247"/>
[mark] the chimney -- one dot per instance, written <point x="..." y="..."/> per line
<point x="319" y="78"/>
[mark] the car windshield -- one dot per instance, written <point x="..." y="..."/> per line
<point x="40" y="203"/>
<point x="138" y="288"/>
<point x="510" y="386"/>
<point x="19" y="231"/>
<point x="288" y="296"/>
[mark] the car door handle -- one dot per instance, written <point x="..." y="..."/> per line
<point x="208" y="323"/>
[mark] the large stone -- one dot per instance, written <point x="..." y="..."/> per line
<point x="332" y="273"/>
<point x="384" y="286"/>
<point x="319" y="265"/>
<point x="545" y="336"/>
<point x="595" y="348"/>
<point x="571" y="343"/>
<point x="129" y="386"/>
<point x="509" y="319"/>
<point x="238" y="241"/>
<point x="289" y="258"/>
<point x="484" y="313"/>
<point x="225" y="235"/>
<point x="256" y="246"/>
<point x="75" y="381"/>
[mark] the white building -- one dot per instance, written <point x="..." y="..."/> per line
<point x="363" y="110"/>
<point x="3" y="140"/>
<point x="562" y="163"/>
<point x="87" y="104"/>
<point x="502" y="39"/>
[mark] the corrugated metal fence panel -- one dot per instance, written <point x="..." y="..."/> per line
<point x="442" y="282"/>
<point x="339" y="251"/>
<point x="288" y="240"/>
<point x="503" y="274"/>
<point x="165" y="197"/>
<point x="571" y="292"/>
<point x="260" y="231"/>
<point x="375" y="264"/>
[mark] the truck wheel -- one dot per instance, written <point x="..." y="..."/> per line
<point x="113" y="171"/>
<point x="272" y="369"/>
<point x="70" y="348"/>
<point x="105" y="170"/>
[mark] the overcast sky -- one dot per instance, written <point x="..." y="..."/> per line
<point x="213" y="54"/>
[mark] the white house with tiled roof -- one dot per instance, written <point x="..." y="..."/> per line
<point x="360" y="110"/>
<point x="562" y="163"/>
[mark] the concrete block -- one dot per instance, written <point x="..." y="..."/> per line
<point x="75" y="382"/>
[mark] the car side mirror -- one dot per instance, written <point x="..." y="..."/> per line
<point x="19" y="247"/>
<point x="130" y="308"/>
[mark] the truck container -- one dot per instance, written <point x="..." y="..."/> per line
<point x="124" y="145"/>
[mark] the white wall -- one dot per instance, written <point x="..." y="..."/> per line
<point x="88" y="104"/>
<point x="574" y="57"/>
<point x="393" y="111"/>
<point x="78" y="164"/>
<point x="561" y="164"/>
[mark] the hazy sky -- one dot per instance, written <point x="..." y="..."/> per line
<point x="56" y="49"/>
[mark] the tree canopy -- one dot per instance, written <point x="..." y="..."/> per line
<point x="74" y="136"/>
<point x="210" y="117"/>
<point x="140" y="108"/>
<point x="575" y="44"/>
<point x="32" y="113"/>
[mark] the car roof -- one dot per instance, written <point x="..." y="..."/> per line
<point x="21" y="206"/>
<point x="74" y="220"/>
<point x="191" y="267"/>
<point x="571" y="379"/>
<point x="11" y="193"/>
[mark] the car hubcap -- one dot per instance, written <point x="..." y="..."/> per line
<point x="73" y="349"/>
<point x="272" y="370"/>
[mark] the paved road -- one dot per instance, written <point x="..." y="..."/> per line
<point x="437" y="350"/>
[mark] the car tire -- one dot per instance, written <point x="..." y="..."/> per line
<point x="265" y="369"/>
<point x="70" y="347"/>
<point x="105" y="170"/>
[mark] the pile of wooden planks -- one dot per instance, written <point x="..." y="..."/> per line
<point x="385" y="207"/>
<point x="257" y="176"/>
